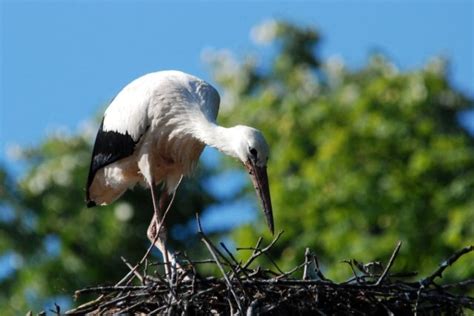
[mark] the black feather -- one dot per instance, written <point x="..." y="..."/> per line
<point x="108" y="148"/>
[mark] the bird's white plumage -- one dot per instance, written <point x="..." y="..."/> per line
<point x="172" y="97"/>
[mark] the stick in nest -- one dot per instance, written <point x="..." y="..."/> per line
<point x="438" y="273"/>
<point x="390" y="262"/>
<point x="207" y="242"/>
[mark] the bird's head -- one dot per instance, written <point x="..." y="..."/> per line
<point x="252" y="149"/>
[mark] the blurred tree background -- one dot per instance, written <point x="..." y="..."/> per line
<point x="359" y="159"/>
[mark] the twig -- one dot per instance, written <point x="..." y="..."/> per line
<point x="84" y="306"/>
<point x="438" y="273"/>
<point x="306" y="264"/>
<point x="107" y="289"/>
<point x="130" y="308"/>
<point x="466" y="283"/>
<point x="137" y="274"/>
<point x="213" y="254"/>
<point x="115" y="300"/>
<point x="319" y="273"/>
<point x="286" y="274"/>
<point x="254" y="250"/>
<point x="390" y="262"/>
<point x="274" y="263"/>
<point x="354" y="273"/>
<point x="257" y="251"/>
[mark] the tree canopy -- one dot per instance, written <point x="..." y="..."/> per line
<point x="360" y="158"/>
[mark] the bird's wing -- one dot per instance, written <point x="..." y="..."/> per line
<point x="125" y="121"/>
<point x="109" y="147"/>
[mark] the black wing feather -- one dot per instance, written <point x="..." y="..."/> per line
<point x="108" y="148"/>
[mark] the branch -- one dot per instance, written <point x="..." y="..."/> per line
<point x="390" y="262"/>
<point x="438" y="273"/>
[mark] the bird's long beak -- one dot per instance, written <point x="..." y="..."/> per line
<point x="260" y="183"/>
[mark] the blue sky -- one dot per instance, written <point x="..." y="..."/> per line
<point x="61" y="61"/>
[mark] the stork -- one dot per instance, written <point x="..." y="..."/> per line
<point x="154" y="131"/>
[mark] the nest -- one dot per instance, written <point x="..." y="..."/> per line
<point x="245" y="288"/>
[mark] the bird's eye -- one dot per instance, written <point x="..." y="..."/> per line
<point x="253" y="151"/>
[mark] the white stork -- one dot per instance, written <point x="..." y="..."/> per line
<point x="154" y="132"/>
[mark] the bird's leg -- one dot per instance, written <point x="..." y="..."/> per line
<point x="166" y="200"/>
<point x="159" y="241"/>
<point x="157" y="230"/>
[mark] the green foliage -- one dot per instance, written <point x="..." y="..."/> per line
<point x="359" y="158"/>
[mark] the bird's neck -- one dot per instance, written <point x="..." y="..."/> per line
<point x="219" y="137"/>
